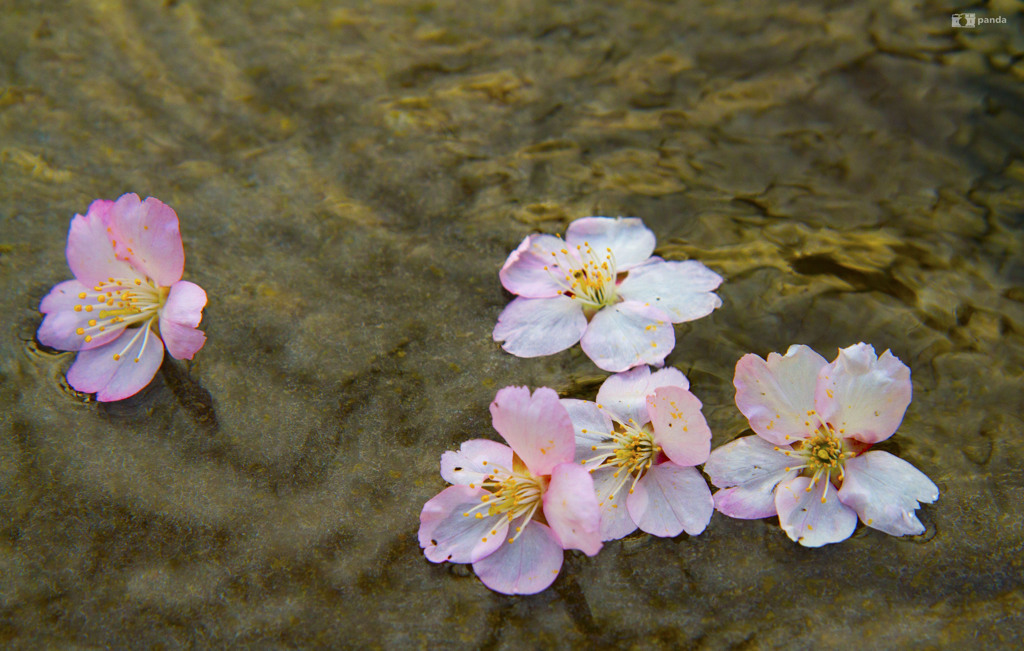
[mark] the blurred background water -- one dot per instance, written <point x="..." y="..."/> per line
<point x="349" y="178"/>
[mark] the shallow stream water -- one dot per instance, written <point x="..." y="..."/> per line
<point x="350" y="176"/>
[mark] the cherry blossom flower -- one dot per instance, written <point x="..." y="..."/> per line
<point x="600" y="287"/>
<point x="127" y="301"/>
<point x="640" y="443"/>
<point x="811" y="462"/>
<point x="512" y="510"/>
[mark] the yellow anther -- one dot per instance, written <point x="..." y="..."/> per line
<point x="88" y="338"/>
<point x="80" y="331"/>
<point x="117" y="357"/>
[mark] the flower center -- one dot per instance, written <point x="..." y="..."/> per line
<point x="511" y="496"/>
<point x="586" y="275"/>
<point x="629" y="449"/>
<point x="821" y="455"/>
<point x="129" y="302"/>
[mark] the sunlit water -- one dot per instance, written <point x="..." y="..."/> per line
<point x="350" y="177"/>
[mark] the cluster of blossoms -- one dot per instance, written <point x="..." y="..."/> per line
<point x="574" y="473"/>
<point x="127" y="302"/>
<point x="577" y="473"/>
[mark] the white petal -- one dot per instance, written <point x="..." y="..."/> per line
<point x="449" y="531"/>
<point x="526" y="566"/>
<point x="628" y="334"/>
<point x="683" y="290"/>
<point x="532" y="327"/>
<point x="624" y="395"/>
<point x="885" y="491"/>
<point x="631" y="242"/>
<point x="862" y="396"/>
<point x="748" y="470"/>
<point x="592" y="427"/>
<point x="670" y="499"/>
<point x="808" y="520"/>
<point x="474" y="460"/>
<point x="611" y="500"/>
<point x="530" y="270"/>
<point x="777" y="396"/>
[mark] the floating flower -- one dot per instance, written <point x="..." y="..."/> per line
<point x="601" y="287"/>
<point x="810" y="463"/>
<point x="512" y="510"/>
<point x="640" y="443"/>
<point x="127" y="301"/>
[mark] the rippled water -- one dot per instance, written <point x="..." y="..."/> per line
<point x="349" y="178"/>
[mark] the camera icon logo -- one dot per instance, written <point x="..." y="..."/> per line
<point x="963" y="20"/>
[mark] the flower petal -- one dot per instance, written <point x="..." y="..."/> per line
<point x="146" y="234"/>
<point x="808" y="520"/>
<point x="591" y="426"/>
<point x="179" y="317"/>
<point x="90" y="251"/>
<point x="777" y="395"/>
<point x="527" y="566"/>
<point x="670" y="499"/>
<point x="629" y="240"/>
<point x="448" y="534"/>
<point x="530" y="270"/>
<point x="628" y="334"/>
<point x="532" y="327"/>
<point x="862" y="396"/>
<point x="748" y="470"/>
<point x="185" y="304"/>
<point x="96" y="371"/>
<point x="537" y="427"/>
<point x="570" y="507"/>
<point x="885" y="490"/>
<point x="679" y="425"/>
<point x="60" y="326"/>
<point x="615" y="519"/>
<point x="624" y="395"/>
<point x="680" y="289"/>
<point x="474" y="460"/>
<point x="182" y="342"/>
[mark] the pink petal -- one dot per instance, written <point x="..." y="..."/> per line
<point x="474" y="460"/>
<point x="179" y="317"/>
<point x="748" y="469"/>
<point x="777" y="396"/>
<point x="96" y="370"/>
<point x="537" y="427"/>
<point x="532" y="327"/>
<point x="90" y="251"/>
<point x="147" y="235"/>
<point x="591" y="426"/>
<point x="670" y="499"/>
<point x="570" y="507"/>
<point x="885" y="490"/>
<point x="680" y="289"/>
<point x="630" y="241"/>
<point x="530" y="270"/>
<point x="182" y="341"/>
<point x="679" y="425"/>
<point x="628" y="334"/>
<point x="527" y="566"/>
<point x="862" y="396"/>
<point x="624" y="395"/>
<point x="611" y="500"/>
<point x="808" y="520"/>
<point x="185" y="304"/>
<point x="448" y="534"/>
<point x="60" y="326"/>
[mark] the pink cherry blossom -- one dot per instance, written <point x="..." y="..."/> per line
<point x="600" y="287"/>
<point x="127" y="301"/>
<point x="640" y="442"/>
<point x="513" y="509"/>
<point x="811" y="462"/>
